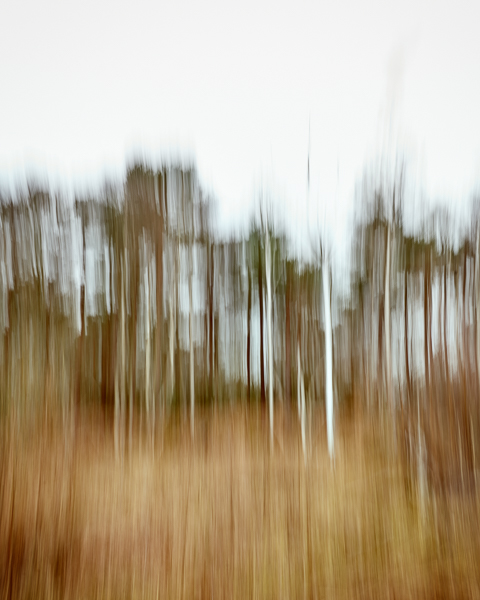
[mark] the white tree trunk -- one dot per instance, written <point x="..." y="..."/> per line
<point x="387" y="317"/>
<point x="268" y="274"/>
<point x="477" y="299"/>
<point x="328" y="357"/>
<point x="192" y="381"/>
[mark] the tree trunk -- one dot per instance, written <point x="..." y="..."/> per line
<point x="387" y="320"/>
<point x="171" y="339"/>
<point x="446" y="276"/>
<point x="190" y="324"/>
<point x="249" y="326"/>
<point x="477" y="306"/>
<point x="147" y="348"/>
<point x="407" y="366"/>
<point x="328" y="358"/>
<point x="466" y="373"/>
<point x="123" y="380"/>
<point x="268" y="275"/>
<point x="300" y="383"/>
<point x="133" y="342"/>
<point x="119" y="408"/>
<point x="46" y="386"/>
<point x="425" y="327"/>
<point x="210" y="308"/>
<point x="178" y="369"/>
<point x="287" y="342"/>
<point x="159" y="291"/>
<point x="81" y="341"/>
<point x="260" y="300"/>
<point x="381" y="314"/>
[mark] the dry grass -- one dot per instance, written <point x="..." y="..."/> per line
<point x="223" y="517"/>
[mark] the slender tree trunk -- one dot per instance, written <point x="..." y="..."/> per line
<point x="466" y="372"/>
<point x="215" y="359"/>
<point x="192" y="380"/>
<point x="466" y="357"/>
<point x="387" y="321"/>
<point x="407" y="366"/>
<point x="119" y="406"/>
<point x="105" y="328"/>
<point x="260" y="300"/>
<point x="147" y="348"/>
<point x="171" y="338"/>
<point x="133" y="342"/>
<point x="477" y="306"/>
<point x="300" y="384"/>
<point x="287" y="342"/>
<point x="328" y="357"/>
<point x="159" y="291"/>
<point x="46" y="385"/>
<point x="116" y="412"/>
<point x="205" y="352"/>
<point x="371" y="377"/>
<point x="446" y="276"/>
<point x="430" y="341"/>
<point x="268" y="275"/>
<point x="178" y="369"/>
<point x="364" y="335"/>
<point x="212" y="275"/>
<point x="123" y="353"/>
<point x="425" y="327"/>
<point x="81" y="341"/>
<point x="381" y="314"/>
<point x="249" y="327"/>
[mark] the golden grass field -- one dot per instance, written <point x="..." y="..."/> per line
<point x="225" y="517"/>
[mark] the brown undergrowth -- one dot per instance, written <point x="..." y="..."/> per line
<point x="225" y="517"/>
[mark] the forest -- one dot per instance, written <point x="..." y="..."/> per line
<point x="189" y="415"/>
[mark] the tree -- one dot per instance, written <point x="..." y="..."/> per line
<point x="260" y="300"/>
<point x="268" y="275"/>
<point x="328" y="354"/>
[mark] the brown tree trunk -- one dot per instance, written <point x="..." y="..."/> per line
<point x="159" y="292"/>
<point x="133" y="289"/>
<point x="430" y="342"/>
<point x="215" y="359"/>
<point x="46" y="385"/>
<point x="105" y="328"/>
<point x="466" y="373"/>
<point x="210" y="308"/>
<point x="407" y="366"/>
<point x="380" y="348"/>
<point x="425" y="328"/>
<point x="445" y="345"/>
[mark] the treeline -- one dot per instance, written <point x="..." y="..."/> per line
<point x="129" y="300"/>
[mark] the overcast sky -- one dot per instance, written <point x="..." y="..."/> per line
<point x="234" y="86"/>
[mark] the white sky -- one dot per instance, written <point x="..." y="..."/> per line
<point x="234" y="85"/>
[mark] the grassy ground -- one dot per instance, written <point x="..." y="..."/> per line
<point x="224" y="517"/>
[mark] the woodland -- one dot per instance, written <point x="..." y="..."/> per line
<point x="185" y="415"/>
